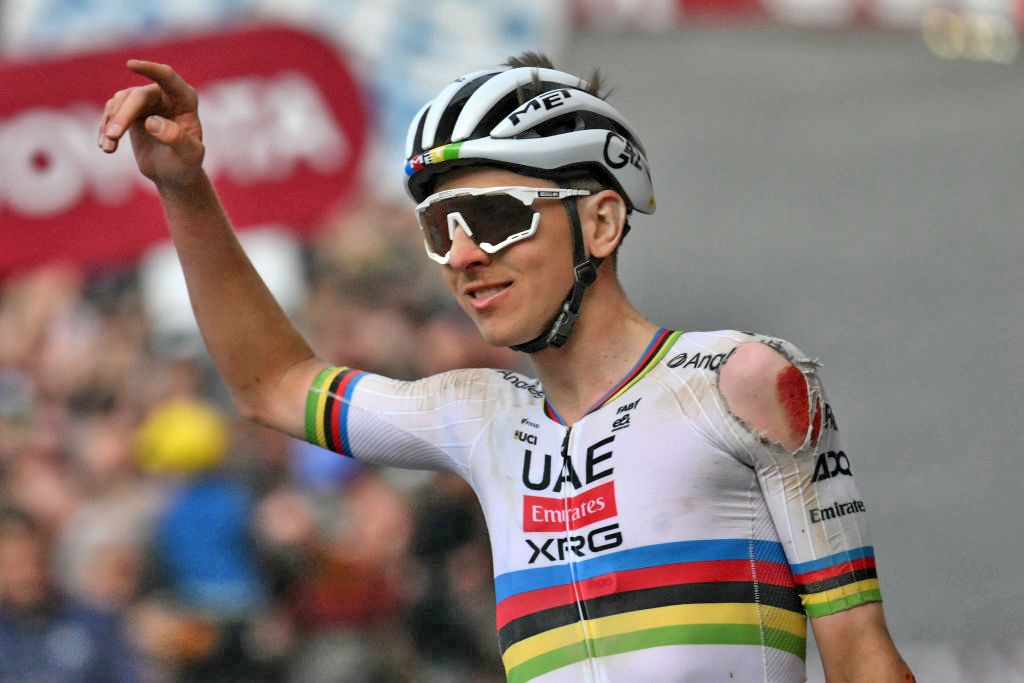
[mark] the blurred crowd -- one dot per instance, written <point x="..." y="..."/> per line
<point x="148" y="533"/>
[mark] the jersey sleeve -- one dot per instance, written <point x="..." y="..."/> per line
<point x="428" y="424"/>
<point x="813" y="501"/>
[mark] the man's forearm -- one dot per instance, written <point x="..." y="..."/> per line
<point x="251" y="340"/>
<point x="882" y="665"/>
<point x="856" y="647"/>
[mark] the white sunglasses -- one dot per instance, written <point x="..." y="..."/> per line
<point x="493" y="217"/>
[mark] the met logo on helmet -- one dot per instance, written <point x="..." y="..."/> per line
<point x="618" y="151"/>
<point x="545" y="102"/>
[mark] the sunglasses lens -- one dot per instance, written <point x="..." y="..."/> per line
<point x="434" y="221"/>
<point x="491" y="218"/>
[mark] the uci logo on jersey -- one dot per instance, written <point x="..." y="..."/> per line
<point x="831" y="464"/>
<point x="526" y="437"/>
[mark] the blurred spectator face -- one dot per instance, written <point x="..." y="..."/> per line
<point x="112" y="578"/>
<point x="380" y="523"/>
<point x="448" y="344"/>
<point x="24" y="579"/>
<point x="286" y="519"/>
<point x="39" y="483"/>
<point x="360" y="345"/>
<point x="104" y="451"/>
<point x="31" y="304"/>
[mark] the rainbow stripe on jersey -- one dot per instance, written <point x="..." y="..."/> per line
<point x="728" y="591"/>
<point x="838" y="582"/>
<point x="327" y="408"/>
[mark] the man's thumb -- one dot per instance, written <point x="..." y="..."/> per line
<point x="171" y="134"/>
<point x="156" y="125"/>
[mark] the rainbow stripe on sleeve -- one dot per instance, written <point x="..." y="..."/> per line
<point x="724" y="591"/>
<point x="327" y="406"/>
<point x="838" y="582"/>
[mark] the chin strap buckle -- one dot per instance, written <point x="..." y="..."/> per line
<point x="585" y="273"/>
<point x="562" y="327"/>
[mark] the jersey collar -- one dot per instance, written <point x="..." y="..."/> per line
<point x="656" y="349"/>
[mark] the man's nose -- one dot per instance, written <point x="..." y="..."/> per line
<point x="465" y="253"/>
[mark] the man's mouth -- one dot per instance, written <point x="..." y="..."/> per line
<point x="482" y="296"/>
<point x="486" y="292"/>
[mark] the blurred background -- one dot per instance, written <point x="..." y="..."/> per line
<point x="843" y="173"/>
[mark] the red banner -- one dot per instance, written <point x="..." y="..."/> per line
<point x="283" y="121"/>
<point x="994" y="20"/>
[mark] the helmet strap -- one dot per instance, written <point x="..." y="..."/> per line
<point x="584" y="274"/>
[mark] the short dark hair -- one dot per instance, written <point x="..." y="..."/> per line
<point x="539" y="60"/>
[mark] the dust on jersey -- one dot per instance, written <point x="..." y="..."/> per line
<point x="658" y="537"/>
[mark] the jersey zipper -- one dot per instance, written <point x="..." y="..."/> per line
<point x="567" y="492"/>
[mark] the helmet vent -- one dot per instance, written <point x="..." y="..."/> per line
<point x="446" y="124"/>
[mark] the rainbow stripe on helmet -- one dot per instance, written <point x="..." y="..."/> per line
<point x="432" y="156"/>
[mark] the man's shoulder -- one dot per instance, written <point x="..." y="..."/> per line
<point x="766" y="382"/>
<point x="701" y="349"/>
<point x="769" y="384"/>
<point x="704" y="350"/>
<point x="517" y="385"/>
<point x="750" y="358"/>
<point x="507" y="385"/>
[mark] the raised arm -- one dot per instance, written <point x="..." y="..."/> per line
<point x="264" y="361"/>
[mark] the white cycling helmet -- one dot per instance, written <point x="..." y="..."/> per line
<point x="561" y="132"/>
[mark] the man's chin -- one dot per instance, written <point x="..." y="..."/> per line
<point x="496" y="339"/>
<point x="506" y="338"/>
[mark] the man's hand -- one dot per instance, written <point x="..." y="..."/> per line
<point x="163" y="118"/>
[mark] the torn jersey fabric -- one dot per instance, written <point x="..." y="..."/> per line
<point x="658" y="538"/>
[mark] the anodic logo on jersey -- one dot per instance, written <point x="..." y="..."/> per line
<point x="831" y="464"/>
<point x="520" y="383"/>
<point x="700" y="361"/>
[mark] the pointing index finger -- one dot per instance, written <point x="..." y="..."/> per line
<point x="173" y="85"/>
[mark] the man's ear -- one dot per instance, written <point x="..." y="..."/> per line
<point x="603" y="216"/>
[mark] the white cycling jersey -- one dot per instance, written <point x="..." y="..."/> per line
<point x="658" y="538"/>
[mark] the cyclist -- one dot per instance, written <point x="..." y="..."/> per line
<point x="660" y="504"/>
